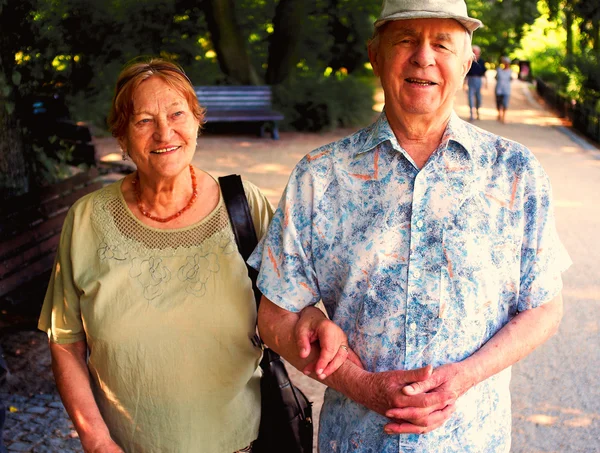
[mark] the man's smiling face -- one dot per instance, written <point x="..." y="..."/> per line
<point x="421" y="64"/>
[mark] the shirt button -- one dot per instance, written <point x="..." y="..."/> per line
<point x="417" y="274"/>
<point x="419" y="224"/>
<point x="413" y="326"/>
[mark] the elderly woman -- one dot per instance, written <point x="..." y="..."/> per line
<point x="149" y="311"/>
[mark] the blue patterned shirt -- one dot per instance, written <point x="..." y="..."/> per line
<point x="417" y="266"/>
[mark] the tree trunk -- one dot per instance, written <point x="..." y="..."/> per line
<point x="228" y="42"/>
<point x="283" y="43"/>
<point x="13" y="169"/>
<point x="14" y="178"/>
<point x="569" y="28"/>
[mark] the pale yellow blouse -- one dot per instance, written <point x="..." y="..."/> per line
<point x="168" y="316"/>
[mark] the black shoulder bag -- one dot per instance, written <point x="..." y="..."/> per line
<point x="286" y="413"/>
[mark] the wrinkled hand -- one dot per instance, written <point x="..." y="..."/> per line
<point x="416" y="413"/>
<point x="451" y="380"/>
<point x="314" y="327"/>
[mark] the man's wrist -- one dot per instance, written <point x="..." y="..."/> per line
<point x="352" y="381"/>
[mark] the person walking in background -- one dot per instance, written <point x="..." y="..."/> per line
<point x="503" y="86"/>
<point x="475" y="78"/>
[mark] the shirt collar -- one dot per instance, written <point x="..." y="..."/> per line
<point x="380" y="131"/>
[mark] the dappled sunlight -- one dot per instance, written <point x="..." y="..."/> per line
<point x="590" y="292"/>
<point x="269" y="168"/>
<point x="567" y="204"/>
<point x="532" y="117"/>
<point x="112" y="157"/>
<point x="593" y="163"/>
<point x="272" y="194"/>
<point x="540" y="419"/>
<point x="569" y="149"/>
<point x="233" y="161"/>
<point x="379" y="99"/>
<point x="582" y="422"/>
<point x="560" y="150"/>
<point x="556" y="415"/>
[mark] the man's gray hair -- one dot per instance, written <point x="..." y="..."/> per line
<point x="467" y="52"/>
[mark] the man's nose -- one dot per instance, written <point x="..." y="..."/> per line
<point x="423" y="56"/>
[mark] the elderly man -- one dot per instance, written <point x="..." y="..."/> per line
<point x="431" y="243"/>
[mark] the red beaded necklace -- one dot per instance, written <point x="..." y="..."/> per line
<point x="136" y="190"/>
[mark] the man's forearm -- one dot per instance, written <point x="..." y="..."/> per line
<point x="516" y="340"/>
<point x="276" y="328"/>
<point x="376" y="391"/>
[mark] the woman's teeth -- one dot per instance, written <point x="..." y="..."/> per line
<point x="164" y="150"/>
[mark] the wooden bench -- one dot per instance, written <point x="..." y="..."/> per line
<point x="240" y="103"/>
<point x="30" y="227"/>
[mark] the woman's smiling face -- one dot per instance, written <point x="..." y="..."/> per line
<point x="162" y="130"/>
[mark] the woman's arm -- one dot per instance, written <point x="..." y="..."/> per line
<point x="73" y="382"/>
<point x="313" y="326"/>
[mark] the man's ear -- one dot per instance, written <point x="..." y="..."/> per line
<point x="373" y="59"/>
<point x="466" y="66"/>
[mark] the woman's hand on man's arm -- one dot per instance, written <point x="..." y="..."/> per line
<point x="379" y="392"/>
<point x="314" y="327"/>
<point x="73" y="382"/>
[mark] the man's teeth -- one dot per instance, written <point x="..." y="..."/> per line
<point x="420" y="82"/>
<point x="164" y="150"/>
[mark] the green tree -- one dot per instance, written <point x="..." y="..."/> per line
<point x="504" y="24"/>
<point x="14" y="174"/>
<point x="228" y="41"/>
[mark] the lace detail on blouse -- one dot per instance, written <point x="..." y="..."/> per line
<point x="125" y="236"/>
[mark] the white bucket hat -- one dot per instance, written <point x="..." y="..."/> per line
<point x="427" y="9"/>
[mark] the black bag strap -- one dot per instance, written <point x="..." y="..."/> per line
<point x="245" y="237"/>
<point x="241" y="223"/>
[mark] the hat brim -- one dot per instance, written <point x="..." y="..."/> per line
<point x="468" y="22"/>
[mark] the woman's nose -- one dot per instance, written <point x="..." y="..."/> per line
<point x="163" y="131"/>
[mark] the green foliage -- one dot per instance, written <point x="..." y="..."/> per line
<point x="545" y="50"/>
<point x="49" y="170"/>
<point x="79" y="46"/>
<point x="583" y="83"/>
<point x="504" y="24"/>
<point x="315" y="102"/>
<point x="544" y="45"/>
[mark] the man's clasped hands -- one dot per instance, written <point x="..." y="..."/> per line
<point x="415" y="401"/>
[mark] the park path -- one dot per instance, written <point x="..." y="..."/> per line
<point x="556" y="390"/>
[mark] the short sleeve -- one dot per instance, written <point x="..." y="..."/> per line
<point x="60" y="316"/>
<point x="260" y="208"/>
<point x="543" y="256"/>
<point x="284" y="257"/>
